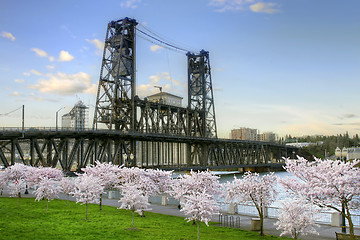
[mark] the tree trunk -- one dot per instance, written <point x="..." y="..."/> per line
<point x="351" y="227"/>
<point x="261" y="216"/>
<point x="198" y="228"/>
<point x="86" y="211"/>
<point x="101" y="201"/>
<point x="68" y="199"/>
<point x="47" y="205"/>
<point x="261" y="225"/>
<point x="132" y="223"/>
<point x="295" y="234"/>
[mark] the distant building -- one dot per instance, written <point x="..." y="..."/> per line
<point x="353" y="153"/>
<point x="245" y="134"/>
<point x="77" y="118"/>
<point x="166" y="98"/>
<point x="268" y="137"/>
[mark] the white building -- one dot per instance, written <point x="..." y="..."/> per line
<point x="166" y="98"/>
<point x="77" y="118"/>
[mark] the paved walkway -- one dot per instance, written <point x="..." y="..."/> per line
<point x="326" y="232"/>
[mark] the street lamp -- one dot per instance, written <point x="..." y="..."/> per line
<point x="342" y="155"/>
<point x="125" y="158"/>
<point x="57" y="117"/>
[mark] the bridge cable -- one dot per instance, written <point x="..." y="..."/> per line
<point x="5" y="114"/>
<point x="163" y="42"/>
<point x="173" y="42"/>
<point x="153" y="42"/>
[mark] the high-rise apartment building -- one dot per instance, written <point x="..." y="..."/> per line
<point x="268" y="137"/>
<point x="245" y="134"/>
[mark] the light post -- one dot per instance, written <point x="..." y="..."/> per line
<point x="57" y="118"/>
<point x="125" y="158"/>
<point x="342" y="155"/>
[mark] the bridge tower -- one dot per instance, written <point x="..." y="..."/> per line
<point x="115" y="102"/>
<point x="200" y="95"/>
<point x="200" y="99"/>
<point x="116" y="91"/>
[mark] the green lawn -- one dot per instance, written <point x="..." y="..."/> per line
<point x="31" y="221"/>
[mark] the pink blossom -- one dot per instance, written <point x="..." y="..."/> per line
<point x="87" y="190"/>
<point x="259" y="191"/>
<point x="47" y="188"/>
<point x="296" y="218"/>
<point x="326" y="183"/>
<point x="133" y="199"/>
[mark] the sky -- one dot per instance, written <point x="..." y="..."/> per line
<point x="283" y="66"/>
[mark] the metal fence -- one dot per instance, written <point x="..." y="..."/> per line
<point x="324" y="217"/>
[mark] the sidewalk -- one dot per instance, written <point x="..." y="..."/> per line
<point x="326" y="232"/>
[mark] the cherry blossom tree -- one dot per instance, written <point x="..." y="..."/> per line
<point x="196" y="182"/>
<point x="37" y="174"/>
<point x="16" y="176"/>
<point x="147" y="182"/>
<point x="326" y="184"/>
<point x="67" y="187"/>
<point x="259" y="191"/>
<point x="87" y="190"/>
<point x="297" y="217"/>
<point x="200" y="207"/>
<point x="161" y="180"/>
<point x="16" y="187"/>
<point x="133" y="199"/>
<point x="47" y="188"/>
<point x="2" y="182"/>
<point x="195" y="189"/>
<point x="108" y="173"/>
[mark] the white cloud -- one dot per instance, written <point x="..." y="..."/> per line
<point x="243" y="5"/>
<point x="51" y="67"/>
<point x="99" y="45"/>
<point x="39" y="52"/>
<point x="32" y="71"/>
<point x="65" y="84"/>
<point x="35" y="72"/>
<point x="65" y="56"/>
<point x="164" y="80"/>
<point x="262" y="7"/>
<point x="42" y="53"/>
<point x="19" y="80"/>
<point x="8" y="36"/>
<point x="15" y="94"/>
<point x="155" y="48"/>
<point x="130" y="3"/>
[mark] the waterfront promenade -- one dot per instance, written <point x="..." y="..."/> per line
<point x="325" y="231"/>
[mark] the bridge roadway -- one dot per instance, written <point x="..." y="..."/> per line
<point x="72" y="150"/>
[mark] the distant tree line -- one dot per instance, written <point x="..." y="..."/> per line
<point x="323" y="144"/>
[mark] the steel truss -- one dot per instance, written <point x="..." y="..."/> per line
<point x="200" y="94"/>
<point x="73" y="150"/>
<point x="116" y="89"/>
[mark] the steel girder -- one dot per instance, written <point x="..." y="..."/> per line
<point x="200" y="94"/>
<point x="116" y="89"/>
<point x="73" y="150"/>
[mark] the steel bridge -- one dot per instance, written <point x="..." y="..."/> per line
<point x="138" y="132"/>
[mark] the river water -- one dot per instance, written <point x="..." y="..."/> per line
<point x="273" y="211"/>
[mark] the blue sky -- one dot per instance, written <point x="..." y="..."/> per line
<point x="287" y="66"/>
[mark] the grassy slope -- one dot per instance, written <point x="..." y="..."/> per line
<point x="31" y="221"/>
